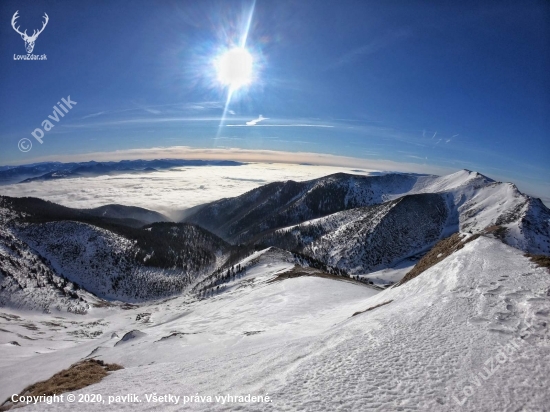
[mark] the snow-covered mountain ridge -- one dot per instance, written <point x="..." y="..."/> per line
<point x="28" y="282"/>
<point x="367" y="224"/>
<point x="477" y="203"/>
<point x="365" y="239"/>
<point x="427" y="345"/>
<point x="280" y="204"/>
<point x="474" y="202"/>
<point x="288" y="324"/>
<point x="47" y="263"/>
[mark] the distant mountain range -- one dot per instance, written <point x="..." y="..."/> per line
<point x="56" y="170"/>
<point x="55" y="256"/>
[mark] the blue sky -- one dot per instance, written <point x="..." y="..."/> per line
<point x="441" y="85"/>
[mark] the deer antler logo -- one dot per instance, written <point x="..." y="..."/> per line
<point x="29" y="40"/>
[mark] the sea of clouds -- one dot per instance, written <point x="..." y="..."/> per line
<point x="168" y="191"/>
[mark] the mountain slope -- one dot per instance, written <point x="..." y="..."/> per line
<point x="433" y="346"/>
<point x="364" y="239"/>
<point x="474" y="203"/>
<point x="112" y="261"/>
<point x="451" y="182"/>
<point x="281" y="204"/>
<point x="531" y="231"/>
<point x="149" y="263"/>
<point x="127" y="212"/>
<point x="37" y="210"/>
<point x="470" y="333"/>
<point x="28" y="282"/>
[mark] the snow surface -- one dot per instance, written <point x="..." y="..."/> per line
<point x="392" y="275"/>
<point x="477" y="202"/>
<point x="297" y="341"/>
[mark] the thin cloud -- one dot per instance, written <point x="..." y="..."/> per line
<point x="148" y="109"/>
<point x="246" y="155"/>
<point x="256" y="121"/>
<point x="296" y="141"/>
<point x="368" y="49"/>
<point x="93" y="115"/>
<point x="452" y="137"/>
<point x="145" y="121"/>
<point x="281" y="125"/>
<point x="152" y="111"/>
<point x="207" y="105"/>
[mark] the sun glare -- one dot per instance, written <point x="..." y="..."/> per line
<point x="235" y="68"/>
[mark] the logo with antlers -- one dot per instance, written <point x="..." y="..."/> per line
<point x="29" y="40"/>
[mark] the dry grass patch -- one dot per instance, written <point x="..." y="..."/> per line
<point x="498" y="231"/>
<point x="440" y="251"/>
<point x="371" y="308"/>
<point x="102" y="304"/>
<point x="299" y="271"/>
<point x="76" y="377"/>
<point x="541" y="260"/>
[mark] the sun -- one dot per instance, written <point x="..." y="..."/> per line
<point x="234" y="68"/>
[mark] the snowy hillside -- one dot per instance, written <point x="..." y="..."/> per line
<point x="365" y="239"/>
<point x="53" y="265"/>
<point x="288" y="322"/>
<point x="28" y="282"/>
<point x="470" y="333"/>
<point x="449" y="182"/>
<point x="281" y="204"/>
<point x="101" y="262"/>
<point x="267" y="262"/>
<point x="474" y="203"/>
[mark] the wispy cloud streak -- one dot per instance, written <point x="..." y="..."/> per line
<point x="256" y="121"/>
<point x="368" y="49"/>
<point x="280" y="125"/>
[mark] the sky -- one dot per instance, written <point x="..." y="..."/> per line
<point x="401" y="85"/>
